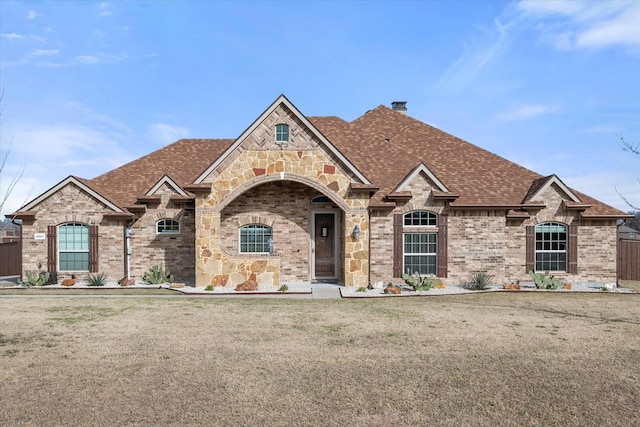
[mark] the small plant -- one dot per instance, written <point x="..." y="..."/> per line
<point x="96" y="279"/>
<point x="479" y="281"/>
<point x="156" y="275"/>
<point x="283" y="288"/>
<point x="542" y="281"/>
<point x="209" y="288"/>
<point x="417" y="282"/>
<point x="35" y="279"/>
<point x="361" y="289"/>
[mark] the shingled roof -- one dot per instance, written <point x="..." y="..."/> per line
<point x="182" y="161"/>
<point x="385" y="145"/>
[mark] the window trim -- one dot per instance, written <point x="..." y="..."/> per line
<point x="428" y="254"/>
<point x="564" y="251"/>
<point x="59" y="251"/>
<point x="431" y="215"/>
<point x="167" y="231"/>
<point x="279" y="133"/>
<point x="258" y="227"/>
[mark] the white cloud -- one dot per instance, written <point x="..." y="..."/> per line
<point x="165" y="133"/>
<point x="520" y="112"/>
<point x="605" y="186"/>
<point x="12" y="36"/>
<point x="489" y="45"/>
<point x="101" y="58"/>
<point x="43" y="52"/>
<point x="33" y="15"/>
<point x="572" y="24"/>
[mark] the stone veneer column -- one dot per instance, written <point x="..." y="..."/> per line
<point x="356" y="252"/>
<point x="207" y="240"/>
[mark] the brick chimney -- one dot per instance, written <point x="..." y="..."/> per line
<point x="400" y="106"/>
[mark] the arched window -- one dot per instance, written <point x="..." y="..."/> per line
<point x="255" y="238"/>
<point x="282" y="133"/>
<point x="167" y="226"/>
<point x="73" y="247"/>
<point x="420" y="253"/>
<point x="421" y="219"/>
<point x="551" y="247"/>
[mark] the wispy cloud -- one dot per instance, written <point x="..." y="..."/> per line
<point x="33" y="15"/>
<point x="487" y="47"/>
<point x="585" y="24"/>
<point x="43" y="52"/>
<point x="11" y="36"/>
<point x="521" y="112"/>
<point x="165" y="133"/>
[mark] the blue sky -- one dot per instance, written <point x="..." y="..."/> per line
<point x="89" y="86"/>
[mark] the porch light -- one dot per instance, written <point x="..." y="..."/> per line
<point x="356" y="231"/>
<point x="270" y="243"/>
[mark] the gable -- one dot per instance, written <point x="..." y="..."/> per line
<point x="67" y="185"/>
<point x="540" y="190"/>
<point x="260" y="136"/>
<point x="166" y="186"/>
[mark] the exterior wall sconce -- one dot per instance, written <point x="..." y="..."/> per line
<point x="356" y="231"/>
<point x="270" y="243"/>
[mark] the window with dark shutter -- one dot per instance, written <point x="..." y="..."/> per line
<point x="442" y="246"/>
<point x="397" y="245"/>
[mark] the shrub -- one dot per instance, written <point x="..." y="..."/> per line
<point x="361" y="289"/>
<point x="283" y="288"/>
<point x="209" y="288"/>
<point x="34" y="279"/>
<point x="156" y="275"/>
<point x="479" y="281"/>
<point x="417" y="282"/>
<point x="97" y="279"/>
<point x="542" y="281"/>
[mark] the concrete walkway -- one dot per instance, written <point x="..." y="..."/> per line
<point x="318" y="290"/>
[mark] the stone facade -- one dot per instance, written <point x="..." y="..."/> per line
<point x="304" y="167"/>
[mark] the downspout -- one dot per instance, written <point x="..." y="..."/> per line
<point x="127" y="233"/>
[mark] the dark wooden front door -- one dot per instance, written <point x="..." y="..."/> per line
<point x="325" y="245"/>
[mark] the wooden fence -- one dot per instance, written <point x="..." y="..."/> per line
<point x="10" y="259"/>
<point x="629" y="260"/>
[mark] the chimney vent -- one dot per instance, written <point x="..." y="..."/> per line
<point x="400" y="106"/>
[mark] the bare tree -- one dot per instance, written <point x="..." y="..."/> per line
<point x="6" y="186"/>
<point x="634" y="149"/>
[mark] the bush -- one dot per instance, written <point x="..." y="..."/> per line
<point x="35" y="279"/>
<point x="361" y="289"/>
<point x="283" y="288"/>
<point x="209" y="288"/>
<point x="97" y="279"/>
<point x="542" y="281"/>
<point x="156" y="275"/>
<point x="480" y="281"/>
<point x="417" y="282"/>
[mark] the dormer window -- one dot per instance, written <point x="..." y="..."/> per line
<point x="282" y="133"/>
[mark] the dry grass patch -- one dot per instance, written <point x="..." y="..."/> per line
<point x="479" y="359"/>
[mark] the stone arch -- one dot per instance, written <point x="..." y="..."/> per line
<point x="263" y="179"/>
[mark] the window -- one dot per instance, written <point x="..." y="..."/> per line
<point x="73" y="247"/>
<point x="167" y="226"/>
<point x="420" y="218"/>
<point x="282" y="133"/>
<point x="420" y="251"/>
<point x="551" y="247"/>
<point x="255" y="239"/>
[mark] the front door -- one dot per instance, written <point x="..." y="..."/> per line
<point x="324" y="245"/>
